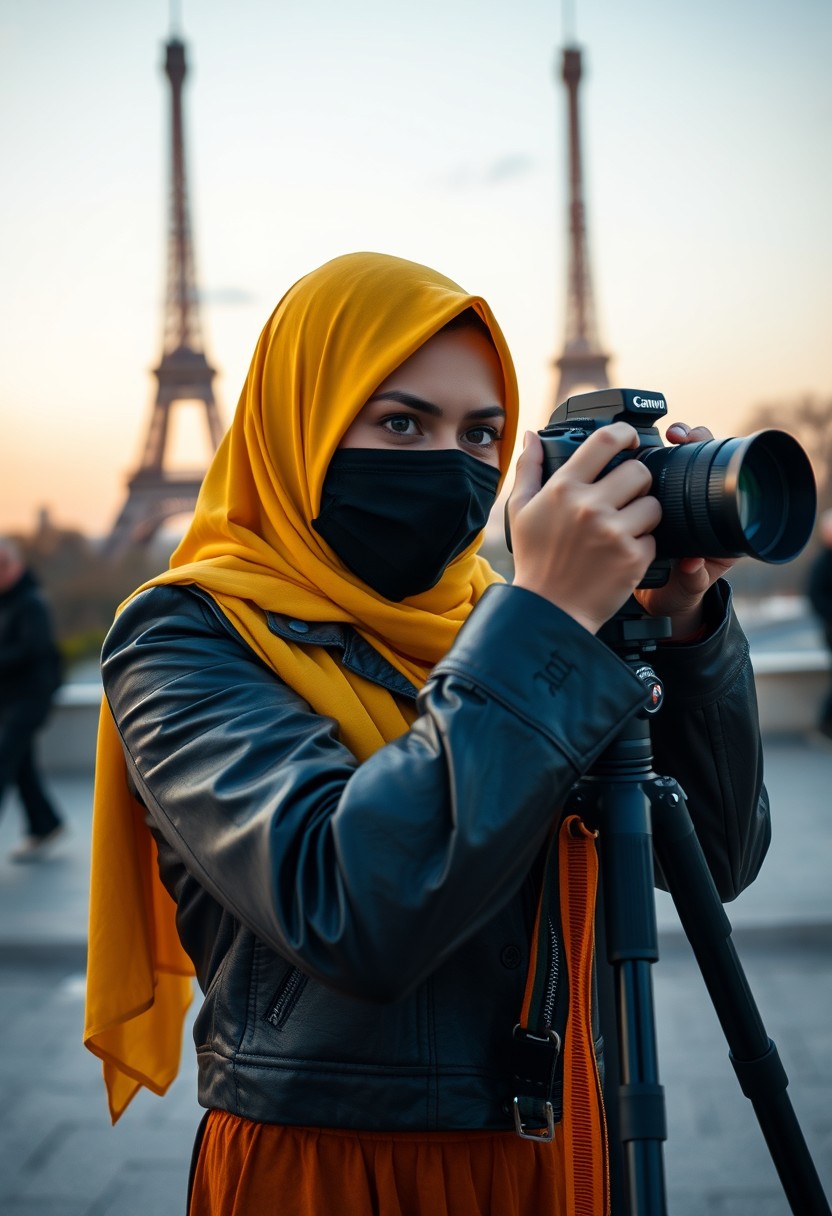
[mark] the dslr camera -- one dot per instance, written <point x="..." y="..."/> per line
<point x="753" y="496"/>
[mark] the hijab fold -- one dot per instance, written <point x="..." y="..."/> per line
<point x="333" y="338"/>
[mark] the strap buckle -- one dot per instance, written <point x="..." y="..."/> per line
<point x="535" y="1058"/>
<point x="545" y="1135"/>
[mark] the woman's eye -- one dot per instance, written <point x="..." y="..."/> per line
<point x="401" y="424"/>
<point x="482" y="436"/>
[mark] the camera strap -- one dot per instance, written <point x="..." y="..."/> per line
<point x="537" y="1041"/>
<point x="553" y="1064"/>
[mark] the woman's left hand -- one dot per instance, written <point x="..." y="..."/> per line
<point x="681" y="596"/>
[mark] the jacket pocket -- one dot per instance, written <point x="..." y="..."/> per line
<point x="286" y="998"/>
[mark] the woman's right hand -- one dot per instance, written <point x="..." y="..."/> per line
<point x="583" y="544"/>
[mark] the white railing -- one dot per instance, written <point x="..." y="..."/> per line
<point x="790" y="688"/>
<point x="67" y="742"/>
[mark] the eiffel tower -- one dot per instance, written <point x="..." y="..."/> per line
<point x="155" y="492"/>
<point x="583" y="363"/>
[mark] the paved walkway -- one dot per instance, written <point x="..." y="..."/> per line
<point x="59" y="1155"/>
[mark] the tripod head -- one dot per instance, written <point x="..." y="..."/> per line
<point x="631" y="628"/>
<point x="633" y="635"/>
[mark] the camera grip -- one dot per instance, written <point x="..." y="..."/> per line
<point x="558" y="449"/>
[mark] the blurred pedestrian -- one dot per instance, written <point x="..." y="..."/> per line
<point x="30" y="673"/>
<point x="820" y="597"/>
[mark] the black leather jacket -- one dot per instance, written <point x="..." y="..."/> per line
<point x="361" y="932"/>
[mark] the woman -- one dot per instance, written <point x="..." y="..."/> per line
<point x="355" y="800"/>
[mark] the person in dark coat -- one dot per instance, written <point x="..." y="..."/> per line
<point x="30" y="674"/>
<point x="820" y="597"/>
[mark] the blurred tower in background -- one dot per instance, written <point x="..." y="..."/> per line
<point x="583" y="363"/>
<point x="156" y="493"/>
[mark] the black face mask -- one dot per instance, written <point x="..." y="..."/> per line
<point x="397" y="519"/>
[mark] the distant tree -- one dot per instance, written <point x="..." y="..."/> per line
<point x="809" y="419"/>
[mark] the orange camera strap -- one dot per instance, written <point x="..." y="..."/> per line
<point x="553" y="1058"/>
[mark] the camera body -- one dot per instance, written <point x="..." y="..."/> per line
<point x="576" y="419"/>
<point x="751" y="496"/>
<point x="578" y="416"/>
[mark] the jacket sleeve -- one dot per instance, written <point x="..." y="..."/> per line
<point x="367" y="876"/>
<point x="707" y="737"/>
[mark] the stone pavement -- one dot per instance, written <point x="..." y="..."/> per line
<point x="59" y="1155"/>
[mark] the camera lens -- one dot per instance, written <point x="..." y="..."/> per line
<point x="749" y="501"/>
<point x="733" y="497"/>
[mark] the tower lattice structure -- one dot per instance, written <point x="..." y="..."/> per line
<point x="156" y="492"/>
<point x="583" y="363"/>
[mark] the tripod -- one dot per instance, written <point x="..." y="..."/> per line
<point x="633" y="808"/>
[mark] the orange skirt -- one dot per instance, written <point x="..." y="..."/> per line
<point x="262" y="1169"/>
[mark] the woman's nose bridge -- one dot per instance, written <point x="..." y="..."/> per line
<point x="446" y="435"/>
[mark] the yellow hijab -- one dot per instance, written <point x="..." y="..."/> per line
<point x="333" y="338"/>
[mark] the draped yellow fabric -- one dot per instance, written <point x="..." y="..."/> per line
<point x="333" y="338"/>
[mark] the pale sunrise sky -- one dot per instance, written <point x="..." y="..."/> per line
<point x="433" y="131"/>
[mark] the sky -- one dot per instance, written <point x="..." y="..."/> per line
<point x="435" y="132"/>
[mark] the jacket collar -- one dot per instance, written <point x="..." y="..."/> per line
<point x="357" y="655"/>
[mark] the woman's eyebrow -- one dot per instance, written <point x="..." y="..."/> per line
<point x="427" y="407"/>
<point x="416" y="403"/>
<point x="487" y="411"/>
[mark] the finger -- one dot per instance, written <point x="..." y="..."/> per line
<point x="644" y="551"/>
<point x="680" y="432"/>
<point x="640" y="516"/>
<point x="527" y="473"/>
<point x="595" y="453"/>
<point x="626" y="481"/>
<point x="691" y="565"/>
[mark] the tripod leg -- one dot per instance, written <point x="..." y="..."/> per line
<point x="621" y="813"/>
<point x="608" y="1020"/>
<point x="753" y="1055"/>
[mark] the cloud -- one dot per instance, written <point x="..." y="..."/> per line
<point x="505" y="168"/>
<point x="513" y="164"/>
<point x="229" y="297"/>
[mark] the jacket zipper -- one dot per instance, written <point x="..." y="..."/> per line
<point x="552" y="978"/>
<point x="286" y="997"/>
<point x="556" y="1014"/>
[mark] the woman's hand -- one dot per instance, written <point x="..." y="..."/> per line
<point x="583" y="544"/>
<point x="681" y="597"/>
